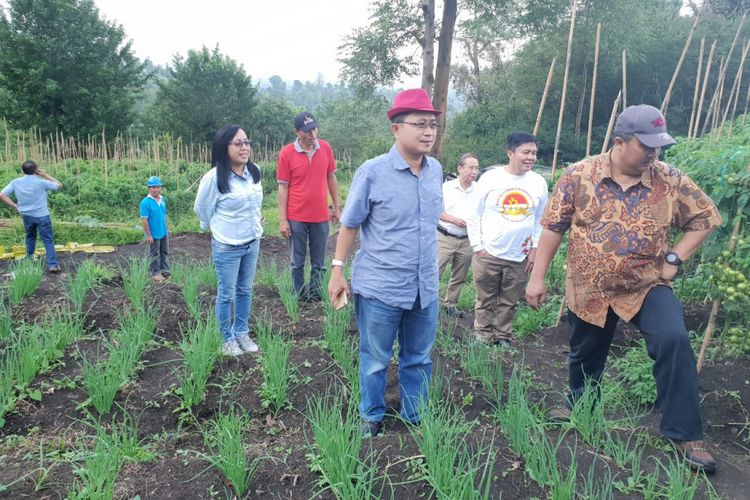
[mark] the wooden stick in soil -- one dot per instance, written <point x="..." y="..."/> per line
<point x="544" y="96"/>
<point x="593" y="89"/>
<point x="712" y="318"/>
<point x="736" y="99"/>
<point x="665" y="102"/>
<point x="712" y="105"/>
<point x="565" y="86"/>
<point x="747" y="101"/>
<point x="697" y="88"/>
<point x="735" y="89"/>
<point x="611" y="124"/>
<point x="624" y="79"/>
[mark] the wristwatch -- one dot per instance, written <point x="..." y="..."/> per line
<point x="337" y="262"/>
<point x="672" y="259"/>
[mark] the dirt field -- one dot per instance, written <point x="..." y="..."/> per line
<point x="177" y="472"/>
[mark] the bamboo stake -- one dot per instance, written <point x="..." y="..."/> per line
<point x="665" y="102"/>
<point x="717" y="303"/>
<point x="541" y="104"/>
<point x="711" y="108"/>
<point x="565" y="86"/>
<point x="624" y="79"/>
<point x="747" y="101"/>
<point x="582" y="100"/>
<point x="735" y="88"/>
<point x="593" y="89"/>
<point x="611" y="124"/>
<point x="697" y="87"/>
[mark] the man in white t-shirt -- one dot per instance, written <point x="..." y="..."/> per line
<point x="453" y="241"/>
<point x="503" y="232"/>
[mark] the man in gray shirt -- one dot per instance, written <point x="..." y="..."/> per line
<point x="31" y="193"/>
<point x="396" y="200"/>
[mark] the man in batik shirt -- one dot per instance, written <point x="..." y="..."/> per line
<point x="619" y="208"/>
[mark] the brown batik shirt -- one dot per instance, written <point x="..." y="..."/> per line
<point x="618" y="239"/>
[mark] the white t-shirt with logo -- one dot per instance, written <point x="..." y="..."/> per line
<point x="508" y="208"/>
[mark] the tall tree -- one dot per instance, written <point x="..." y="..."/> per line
<point x="379" y="54"/>
<point x="63" y="67"/>
<point x="205" y="91"/>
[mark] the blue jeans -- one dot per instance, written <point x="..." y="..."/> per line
<point x="235" y="270"/>
<point x="314" y="234"/>
<point x="379" y="325"/>
<point x="44" y="226"/>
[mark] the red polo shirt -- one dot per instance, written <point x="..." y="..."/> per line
<point x="308" y="181"/>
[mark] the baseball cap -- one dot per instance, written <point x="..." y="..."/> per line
<point x="411" y="100"/>
<point x="305" y="122"/>
<point x="647" y="124"/>
<point x="153" y="181"/>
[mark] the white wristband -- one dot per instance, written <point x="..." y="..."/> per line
<point x="337" y="262"/>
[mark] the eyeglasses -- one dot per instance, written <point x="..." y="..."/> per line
<point x="423" y="125"/>
<point x="239" y="144"/>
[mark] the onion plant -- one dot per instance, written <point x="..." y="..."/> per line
<point x="135" y="279"/>
<point x="274" y="364"/>
<point x="482" y="364"/>
<point x="226" y="436"/>
<point x="286" y="293"/>
<point x="338" y="441"/>
<point x="6" y="321"/>
<point x="200" y="349"/>
<point x="340" y="344"/>
<point x="79" y="284"/>
<point x="27" y="274"/>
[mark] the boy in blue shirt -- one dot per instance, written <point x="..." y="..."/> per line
<point x="31" y="193"/>
<point x="156" y="229"/>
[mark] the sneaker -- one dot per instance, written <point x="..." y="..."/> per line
<point x="247" y="344"/>
<point x="54" y="269"/>
<point x="696" y="455"/>
<point x="453" y="311"/>
<point x="370" y="429"/>
<point x="158" y="278"/>
<point x="559" y="414"/>
<point x="166" y="274"/>
<point x="231" y="348"/>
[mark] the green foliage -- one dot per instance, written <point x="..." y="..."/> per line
<point x="205" y="91"/>
<point x="135" y="280"/>
<point x="634" y="370"/>
<point x="200" y="349"/>
<point x="27" y="273"/>
<point x="275" y="366"/>
<point x="528" y="320"/>
<point x="65" y="68"/>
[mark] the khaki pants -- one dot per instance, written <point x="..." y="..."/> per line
<point x="500" y="284"/>
<point x="457" y="252"/>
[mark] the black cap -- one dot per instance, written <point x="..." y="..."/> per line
<point x="305" y="122"/>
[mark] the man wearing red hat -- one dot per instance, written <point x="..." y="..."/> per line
<point x="396" y="201"/>
<point x="619" y="208"/>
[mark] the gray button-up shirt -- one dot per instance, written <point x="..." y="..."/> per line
<point x="398" y="214"/>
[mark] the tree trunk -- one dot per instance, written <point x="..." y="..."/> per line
<point x="428" y="48"/>
<point x="443" y="70"/>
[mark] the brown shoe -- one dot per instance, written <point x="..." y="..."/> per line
<point x="696" y="455"/>
<point x="559" y="414"/>
<point x="157" y="277"/>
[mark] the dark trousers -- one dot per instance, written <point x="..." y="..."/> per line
<point x="314" y="234"/>
<point x="662" y="324"/>
<point x="158" y="251"/>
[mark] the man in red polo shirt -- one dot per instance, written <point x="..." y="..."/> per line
<point x="306" y="172"/>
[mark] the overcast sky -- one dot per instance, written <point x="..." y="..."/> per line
<point x="295" y="39"/>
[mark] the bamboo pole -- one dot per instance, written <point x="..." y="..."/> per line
<point x="581" y="101"/>
<point x="611" y="124"/>
<point x="624" y="79"/>
<point x="541" y="104"/>
<point x="665" y="102"/>
<point x="712" y="318"/>
<point x="593" y="89"/>
<point x="565" y="86"/>
<point x="697" y="87"/>
<point x="735" y="88"/>
<point x="712" y="104"/>
<point x="719" y="99"/>
<point x="720" y="85"/>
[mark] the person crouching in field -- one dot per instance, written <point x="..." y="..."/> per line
<point x="31" y="193"/>
<point x="620" y="208"/>
<point x="156" y="229"/>
<point x="229" y="201"/>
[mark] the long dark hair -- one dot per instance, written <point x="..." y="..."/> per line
<point x="220" y="158"/>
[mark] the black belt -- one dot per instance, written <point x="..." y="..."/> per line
<point x="445" y="232"/>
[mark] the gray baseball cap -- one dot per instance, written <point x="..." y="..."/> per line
<point x="647" y="124"/>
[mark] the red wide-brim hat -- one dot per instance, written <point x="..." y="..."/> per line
<point x="411" y="100"/>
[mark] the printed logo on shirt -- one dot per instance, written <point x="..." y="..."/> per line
<point x="515" y="205"/>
